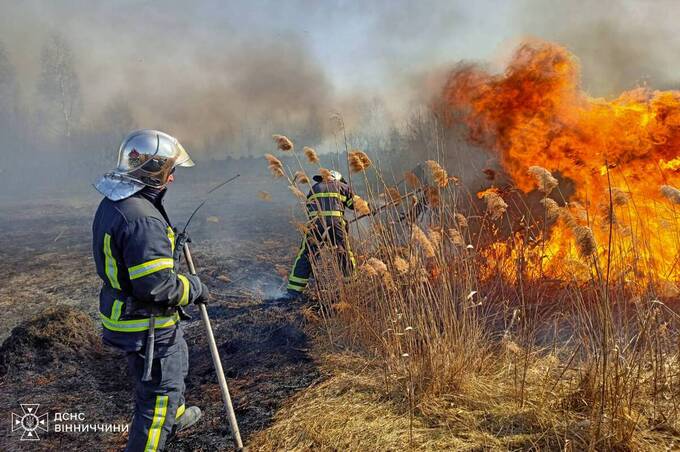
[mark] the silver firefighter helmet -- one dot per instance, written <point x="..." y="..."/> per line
<point x="334" y="175"/>
<point x="145" y="158"/>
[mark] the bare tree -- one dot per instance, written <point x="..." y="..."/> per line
<point x="9" y="92"/>
<point x="10" y="130"/>
<point x="59" y="88"/>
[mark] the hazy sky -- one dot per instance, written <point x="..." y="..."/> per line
<point x="257" y="55"/>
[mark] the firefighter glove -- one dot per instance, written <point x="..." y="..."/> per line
<point x="182" y="238"/>
<point x="204" y="296"/>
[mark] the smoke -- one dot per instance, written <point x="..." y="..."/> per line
<point x="620" y="45"/>
<point x="224" y="76"/>
<point x="175" y="68"/>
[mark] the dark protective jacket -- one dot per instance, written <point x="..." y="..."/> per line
<point x="327" y="201"/>
<point x="133" y="244"/>
<point x="326" y="204"/>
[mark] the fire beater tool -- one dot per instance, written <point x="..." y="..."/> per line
<point x="383" y="207"/>
<point x="150" y="338"/>
<point x="226" y="397"/>
<point x="216" y="360"/>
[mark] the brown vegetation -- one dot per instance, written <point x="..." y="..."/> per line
<point x="453" y="335"/>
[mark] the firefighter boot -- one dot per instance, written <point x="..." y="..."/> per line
<point x="190" y="416"/>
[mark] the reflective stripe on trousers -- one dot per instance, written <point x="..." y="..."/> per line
<point x="159" y="402"/>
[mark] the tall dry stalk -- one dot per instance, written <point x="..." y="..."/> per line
<point x="457" y="316"/>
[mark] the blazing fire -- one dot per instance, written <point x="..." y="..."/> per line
<point x="614" y="155"/>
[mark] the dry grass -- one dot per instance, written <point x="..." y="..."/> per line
<point x="451" y="337"/>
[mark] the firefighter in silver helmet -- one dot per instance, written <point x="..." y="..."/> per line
<point x="136" y="254"/>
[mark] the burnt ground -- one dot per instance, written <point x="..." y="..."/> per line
<point x="52" y="355"/>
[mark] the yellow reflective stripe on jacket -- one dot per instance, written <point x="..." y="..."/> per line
<point x="185" y="290"/>
<point x="350" y="201"/>
<point x="340" y="196"/>
<point x="116" y="309"/>
<point x="150" y="267"/>
<point x="159" y="411"/>
<point x="137" y="325"/>
<point x="110" y="266"/>
<point x="171" y="237"/>
<point x="326" y="213"/>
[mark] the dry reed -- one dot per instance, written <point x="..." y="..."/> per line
<point x="495" y="205"/>
<point x="619" y="197"/>
<point x="438" y="173"/>
<point x="283" y="142"/>
<point x="546" y="182"/>
<point x="301" y="177"/>
<point x="325" y="174"/>
<point x="298" y="194"/>
<point x="412" y="181"/>
<point x="672" y="193"/>
<point x="361" y="206"/>
<point x="552" y="209"/>
<point x="358" y="161"/>
<point x="400" y="265"/>
<point x="419" y="237"/>
<point x="275" y="166"/>
<point x="473" y="335"/>
<point x="311" y="155"/>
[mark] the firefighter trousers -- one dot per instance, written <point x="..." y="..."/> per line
<point x="159" y="402"/>
<point x="302" y="267"/>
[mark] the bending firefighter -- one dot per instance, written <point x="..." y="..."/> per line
<point x="142" y="295"/>
<point x="326" y="203"/>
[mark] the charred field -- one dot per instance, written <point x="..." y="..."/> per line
<point x="52" y="353"/>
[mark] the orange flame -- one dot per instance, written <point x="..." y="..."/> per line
<point x="536" y="114"/>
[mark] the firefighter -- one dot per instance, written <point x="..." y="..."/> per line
<point x="136" y="252"/>
<point x="326" y="203"/>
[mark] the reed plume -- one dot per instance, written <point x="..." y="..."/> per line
<point x="411" y="179"/>
<point x="456" y="237"/>
<point x="495" y="205"/>
<point x="585" y="241"/>
<point x="438" y="173"/>
<point x="672" y="193"/>
<point x="546" y="181"/>
<point x="283" y="142"/>
<point x="358" y="161"/>
<point x="552" y="210"/>
<point x="461" y="221"/>
<point x="435" y="237"/>
<point x="298" y="194"/>
<point x="275" y="166"/>
<point x="368" y="270"/>
<point x="325" y="174"/>
<point x="361" y="206"/>
<point x="401" y="265"/>
<point x="301" y="177"/>
<point x="381" y="269"/>
<point x="432" y="196"/>
<point x="310" y="154"/>
<point x="419" y="237"/>
<point x="620" y="197"/>
<point x="392" y="194"/>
